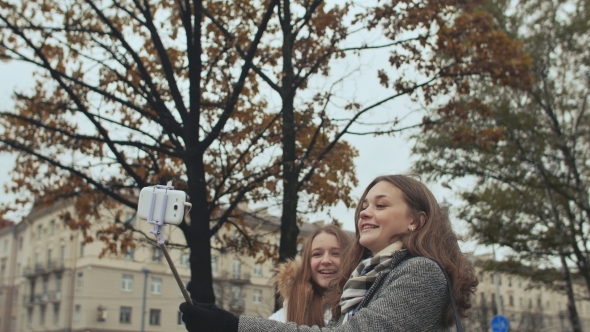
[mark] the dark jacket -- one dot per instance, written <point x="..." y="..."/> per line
<point x="411" y="295"/>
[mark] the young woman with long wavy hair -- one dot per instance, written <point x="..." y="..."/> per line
<point x="303" y="284"/>
<point x="403" y="265"/>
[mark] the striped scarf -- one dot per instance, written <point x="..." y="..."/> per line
<point x="363" y="277"/>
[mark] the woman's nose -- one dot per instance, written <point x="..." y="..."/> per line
<point x="326" y="259"/>
<point x="365" y="213"/>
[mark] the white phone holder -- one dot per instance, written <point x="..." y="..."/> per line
<point x="156" y="206"/>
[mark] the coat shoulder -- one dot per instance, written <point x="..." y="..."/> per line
<point x="286" y="274"/>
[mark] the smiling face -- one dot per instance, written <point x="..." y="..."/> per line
<point x="325" y="259"/>
<point x="384" y="214"/>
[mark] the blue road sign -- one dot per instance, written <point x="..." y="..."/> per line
<point x="499" y="324"/>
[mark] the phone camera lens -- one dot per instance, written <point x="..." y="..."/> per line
<point x="175" y="207"/>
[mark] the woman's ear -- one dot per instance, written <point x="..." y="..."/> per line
<point x="417" y="224"/>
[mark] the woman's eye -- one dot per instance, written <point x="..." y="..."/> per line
<point x="317" y="254"/>
<point x="336" y="254"/>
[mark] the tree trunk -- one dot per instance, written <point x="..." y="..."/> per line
<point x="571" y="300"/>
<point x="198" y="237"/>
<point x="289" y="228"/>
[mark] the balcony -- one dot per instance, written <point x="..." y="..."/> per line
<point x="236" y="278"/>
<point x="55" y="266"/>
<point x="242" y="278"/>
<point x="43" y="298"/>
<point x="237" y="305"/>
<point x="41" y="269"/>
<point x="54" y="297"/>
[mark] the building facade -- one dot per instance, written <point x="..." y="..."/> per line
<point x="50" y="280"/>
<point x="529" y="307"/>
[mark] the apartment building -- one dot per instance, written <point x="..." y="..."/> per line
<point x="51" y="281"/>
<point x="528" y="307"/>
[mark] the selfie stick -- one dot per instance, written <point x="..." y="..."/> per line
<point x="157" y="231"/>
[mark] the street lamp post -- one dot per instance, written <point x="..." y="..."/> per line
<point x="145" y="276"/>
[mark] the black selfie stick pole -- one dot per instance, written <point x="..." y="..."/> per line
<point x="175" y="273"/>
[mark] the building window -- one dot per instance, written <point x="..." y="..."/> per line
<point x="44" y="285"/>
<point x="29" y="316"/>
<point x="257" y="298"/>
<point x="125" y="315"/>
<point x="42" y="315"/>
<point x="127" y="282"/>
<point x="58" y="283"/>
<point x="185" y="259"/>
<point x="218" y="291"/>
<point x="236" y="298"/>
<point x="179" y="319"/>
<point x="129" y="253"/>
<point x="154" y="316"/>
<point x="509" y="281"/>
<point x="214" y="266"/>
<point x="157" y="255"/>
<point x="15" y="298"/>
<point x="18" y="269"/>
<point x="510" y="301"/>
<point x="77" y="313"/>
<point x="20" y="243"/>
<point x="62" y="254"/>
<point x="156" y="286"/>
<point x="80" y="280"/>
<point x="39" y="232"/>
<point x="101" y="314"/>
<point x="56" y="313"/>
<point x="257" y="270"/>
<point x="237" y="268"/>
<point x="236" y="293"/>
<point x="49" y="258"/>
<point x="52" y="227"/>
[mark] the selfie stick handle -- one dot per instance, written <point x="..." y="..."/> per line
<point x="157" y="231"/>
<point x="176" y="276"/>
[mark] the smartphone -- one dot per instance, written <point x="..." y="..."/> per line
<point x="175" y="204"/>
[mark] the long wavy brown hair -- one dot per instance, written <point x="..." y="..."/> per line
<point x="433" y="237"/>
<point x="306" y="298"/>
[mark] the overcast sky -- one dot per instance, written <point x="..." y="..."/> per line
<point x="377" y="155"/>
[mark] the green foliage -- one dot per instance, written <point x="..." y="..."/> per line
<point x="526" y="150"/>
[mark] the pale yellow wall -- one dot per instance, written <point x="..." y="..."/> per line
<point x="553" y="303"/>
<point x="102" y="278"/>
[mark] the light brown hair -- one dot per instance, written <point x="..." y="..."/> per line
<point x="433" y="238"/>
<point x="306" y="298"/>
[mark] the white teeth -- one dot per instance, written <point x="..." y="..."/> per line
<point x="369" y="226"/>
<point x="327" y="272"/>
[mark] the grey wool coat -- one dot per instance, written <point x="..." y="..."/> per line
<point x="411" y="295"/>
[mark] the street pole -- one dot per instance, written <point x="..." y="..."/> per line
<point x="497" y="284"/>
<point x="145" y="276"/>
